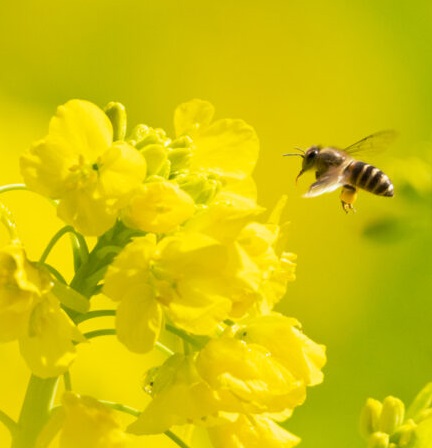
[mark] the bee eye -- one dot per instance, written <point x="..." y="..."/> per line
<point x="312" y="154"/>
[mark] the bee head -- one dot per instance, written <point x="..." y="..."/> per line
<point x="309" y="159"/>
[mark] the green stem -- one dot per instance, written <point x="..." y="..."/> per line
<point x="67" y="381"/>
<point x="102" y="332"/>
<point x="164" y="349"/>
<point x="176" y="439"/>
<point x="53" y="242"/>
<point x="94" y="314"/>
<point x="35" y="411"/>
<point x="180" y="333"/>
<point x="10" y="424"/>
<point x="12" y="187"/>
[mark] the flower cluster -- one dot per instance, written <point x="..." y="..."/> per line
<point x="387" y="424"/>
<point x="181" y="248"/>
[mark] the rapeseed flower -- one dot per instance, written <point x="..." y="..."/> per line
<point x="31" y="314"/>
<point x="88" y="423"/>
<point x="80" y="165"/>
<point x="252" y="431"/>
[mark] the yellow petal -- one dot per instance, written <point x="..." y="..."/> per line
<point x="181" y="398"/>
<point x="89" y="215"/>
<point x="48" y="345"/>
<point x="228" y="148"/>
<point x="284" y="339"/>
<point x="22" y="286"/>
<point x="139" y="319"/>
<point x="252" y="431"/>
<point x="130" y="267"/>
<point x="249" y="374"/>
<point x="198" y="304"/>
<point x="158" y="207"/>
<point x="121" y="170"/>
<point x="89" y="424"/>
<point x="84" y="125"/>
<point x="191" y="117"/>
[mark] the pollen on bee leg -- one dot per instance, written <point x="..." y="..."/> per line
<point x="348" y="196"/>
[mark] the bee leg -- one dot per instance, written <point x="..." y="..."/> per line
<point x="348" y="197"/>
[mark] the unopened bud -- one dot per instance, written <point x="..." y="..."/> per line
<point x="392" y="415"/>
<point x="378" y="440"/>
<point x="117" y="114"/>
<point x="369" y="418"/>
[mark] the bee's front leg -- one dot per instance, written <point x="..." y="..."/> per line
<point x="348" y="196"/>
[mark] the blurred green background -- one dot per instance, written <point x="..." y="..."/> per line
<point x="301" y="73"/>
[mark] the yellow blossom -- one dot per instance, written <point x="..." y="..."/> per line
<point x="128" y="280"/>
<point x="284" y="340"/>
<point x="22" y="286"/>
<point x="48" y="345"/>
<point x="251" y="431"/>
<point x="158" y="207"/>
<point x="180" y="396"/>
<point x="226" y="148"/>
<point x="247" y="378"/>
<point x="89" y="424"/>
<point x="259" y="241"/>
<point x="31" y="313"/>
<point x="78" y="164"/>
<point x="201" y="281"/>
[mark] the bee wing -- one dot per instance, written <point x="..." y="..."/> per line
<point x="328" y="182"/>
<point x="378" y="141"/>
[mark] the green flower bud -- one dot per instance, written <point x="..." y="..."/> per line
<point x="179" y="158"/>
<point x="143" y="135"/>
<point x="198" y="186"/>
<point x="117" y="114"/>
<point x="392" y="414"/>
<point x="182" y="142"/>
<point x="369" y="418"/>
<point x="156" y="157"/>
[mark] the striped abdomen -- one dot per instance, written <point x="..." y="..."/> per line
<point x="363" y="175"/>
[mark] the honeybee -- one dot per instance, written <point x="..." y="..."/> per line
<point x="336" y="168"/>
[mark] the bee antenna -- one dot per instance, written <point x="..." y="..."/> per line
<point x="295" y="154"/>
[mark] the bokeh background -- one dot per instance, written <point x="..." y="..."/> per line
<point x="327" y="72"/>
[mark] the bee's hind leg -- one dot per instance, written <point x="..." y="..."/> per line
<point x="348" y="196"/>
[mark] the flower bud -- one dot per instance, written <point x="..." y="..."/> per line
<point x="156" y="157"/>
<point x="369" y="418"/>
<point x="117" y="114"/>
<point x="179" y="158"/>
<point x="392" y="415"/>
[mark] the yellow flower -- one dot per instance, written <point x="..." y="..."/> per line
<point x="247" y="378"/>
<point x="226" y="148"/>
<point x="31" y="313"/>
<point x="89" y="424"/>
<point x="158" y="207"/>
<point x="48" y="345"/>
<point x="284" y="340"/>
<point x="129" y="280"/>
<point x="201" y="281"/>
<point x="78" y="164"/>
<point x="22" y="286"/>
<point x="252" y="431"/>
<point x="259" y="241"/>
<point x="180" y="397"/>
